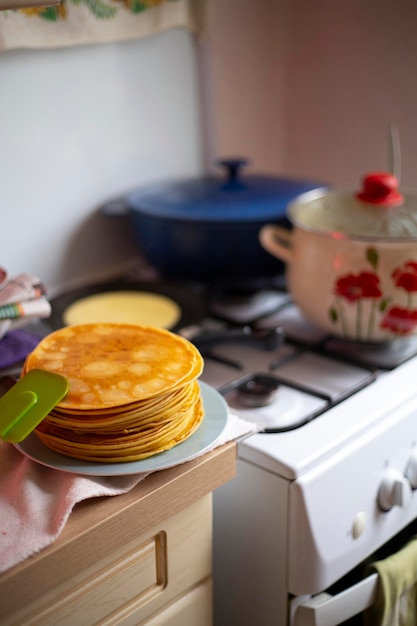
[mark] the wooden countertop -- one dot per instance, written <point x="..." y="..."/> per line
<point x="123" y="517"/>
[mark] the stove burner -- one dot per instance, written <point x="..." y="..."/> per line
<point x="258" y="391"/>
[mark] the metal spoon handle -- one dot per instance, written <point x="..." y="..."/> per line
<point x="393" y="154"/>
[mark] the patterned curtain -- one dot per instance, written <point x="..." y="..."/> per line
<point x="78" y="22"/>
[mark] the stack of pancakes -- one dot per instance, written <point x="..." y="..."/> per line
<point x="133" y="391"/>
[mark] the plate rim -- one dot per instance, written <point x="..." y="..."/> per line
<point x="216" y="417"/>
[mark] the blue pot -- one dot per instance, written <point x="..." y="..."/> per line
<point x="206" y="229"/>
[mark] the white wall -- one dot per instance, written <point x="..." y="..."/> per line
<point x="78" y="126"/>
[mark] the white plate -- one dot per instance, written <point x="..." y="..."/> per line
<point x="213" y="424"/>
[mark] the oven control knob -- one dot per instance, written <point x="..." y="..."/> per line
<point x="411" y="470"/>
<point x="395" y="490"/>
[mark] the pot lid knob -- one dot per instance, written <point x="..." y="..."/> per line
<point x="233" y="168"/>
<point x="380" y="188"/>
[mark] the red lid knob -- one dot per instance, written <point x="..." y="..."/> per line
<point x="380" y="188"/>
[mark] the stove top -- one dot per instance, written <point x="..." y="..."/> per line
<point x="313" y="394"/>
<point x="284" y="386"/>
<point x="272" y="366"/>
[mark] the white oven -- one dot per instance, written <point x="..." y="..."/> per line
<point x="328" y="487"/>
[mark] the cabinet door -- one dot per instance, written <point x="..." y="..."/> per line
<point x="194" y="607"/>
<point x="129" y="585"/>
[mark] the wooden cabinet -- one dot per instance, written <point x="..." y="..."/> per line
<point x="143" y="558"/>
<point x="192" y="609"/>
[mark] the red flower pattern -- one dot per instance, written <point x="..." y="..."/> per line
<point x="397" y="320"/>
<point x="353" y="287"/>
<point x="406" y="276"/>
<point x="400" y="321"/>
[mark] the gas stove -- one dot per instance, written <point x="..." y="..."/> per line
<point x="329" y="481"/>
<point x="310" y="392"/>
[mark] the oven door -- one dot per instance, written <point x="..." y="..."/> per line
<point x="325" y="609"/>
<point x="344" y="603"/>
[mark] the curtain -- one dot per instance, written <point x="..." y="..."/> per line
<point x="78" y="22"/>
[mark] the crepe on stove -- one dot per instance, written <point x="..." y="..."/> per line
<point x="124" y="307"/>
<point x="133" y="391"/>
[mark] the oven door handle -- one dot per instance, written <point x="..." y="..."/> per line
<point x="327" y="610"/>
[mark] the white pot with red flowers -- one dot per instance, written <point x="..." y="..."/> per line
<point x="351" y="259"/>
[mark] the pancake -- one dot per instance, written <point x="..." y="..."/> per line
<point x="128" y="307"/>
<point x="110" y="365"/>
<point x="133" y="391"/>
<point x="164" y="409"/>
<point x="123" y="446"/>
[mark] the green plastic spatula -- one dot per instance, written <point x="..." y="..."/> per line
<point x="26" y="404"/>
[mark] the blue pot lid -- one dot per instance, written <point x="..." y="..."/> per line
<point x="228" y="198"/>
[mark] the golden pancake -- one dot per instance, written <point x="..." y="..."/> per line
<point x="112" y="365"/>
<point x="133" y="391"/>
<point x="127" y="307"/>
<point x="124" y="447"/>
<point x="166" y="409"/>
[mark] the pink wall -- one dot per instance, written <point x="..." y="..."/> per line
<point x="309" y="88"/>
<point x="248" y="94"/>
<point x="353" y="69"/>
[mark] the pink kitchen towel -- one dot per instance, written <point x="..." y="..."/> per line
<point x="36" y="501"/>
